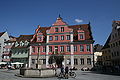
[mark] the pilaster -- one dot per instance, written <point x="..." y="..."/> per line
<point x="29" y="56"/>
<point x="47" y="57"/>
<point x="72" y="56"/>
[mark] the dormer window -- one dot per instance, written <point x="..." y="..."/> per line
<point x="21" y="43"/>
<point x="26" y="42"/>
<point x="81" y="36"/>
<point x="56" y="29"/>
<point x="40" y="37"/>
<point x="39" y="31"/>
<point x="16" y="44"/>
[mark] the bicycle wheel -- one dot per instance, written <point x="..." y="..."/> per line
<point x="61" y="75"/>
<point x="73" y="74"/>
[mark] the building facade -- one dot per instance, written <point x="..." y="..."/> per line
<point x="111" y="49"/>
<point x="115" y="43"/>
<point x="20" y="50"/>
<point x="3" y="38"/>
<point x="6" y="56"/>
<point x="75" y="42"/>
<point x="98" y="55"/>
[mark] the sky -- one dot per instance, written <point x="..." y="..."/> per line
<point x="21" y="17"/>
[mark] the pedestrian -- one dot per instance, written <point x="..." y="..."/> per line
<point x="62" y="69"/>
<point x="66" y="72"/>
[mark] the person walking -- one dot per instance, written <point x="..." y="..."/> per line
<point x="66" y="72"/>
<point x="62" y="69"/>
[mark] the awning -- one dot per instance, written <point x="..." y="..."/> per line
<point x="17" y="63"/>
<point x="3" y="63"/>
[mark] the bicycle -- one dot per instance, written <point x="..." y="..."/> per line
<point x="72" y="74"/>
<point x="65" y="76"/>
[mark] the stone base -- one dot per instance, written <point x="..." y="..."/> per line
<point x="37" y="72"/>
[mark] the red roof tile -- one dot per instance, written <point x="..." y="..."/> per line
<point x="24" y="37"/>
<point x="84" y="27"/>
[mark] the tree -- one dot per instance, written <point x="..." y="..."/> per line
<point x="56" y="58"/>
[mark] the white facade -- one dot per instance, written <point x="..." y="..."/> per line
<point x="4" y="37"/>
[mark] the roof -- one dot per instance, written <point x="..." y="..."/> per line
<point x="24" y="38"/>
<point x="107" y="43"/>
<point x="117" y="21"/>
<point x="84" y="27"/>
<point x="59" y="22"/>
<point x="9" y="41"/>
<point x="1" y="33"/>
<point x="43" y="30"/>
<point x="12" y="36"/>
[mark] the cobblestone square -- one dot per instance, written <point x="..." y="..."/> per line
<point x="81" y="75"/>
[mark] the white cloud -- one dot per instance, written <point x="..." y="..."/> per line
<point x="78" y="20"/>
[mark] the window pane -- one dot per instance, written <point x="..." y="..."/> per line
<point x="56" y="29"/>
<point x="81" y="48"/>
<point x="81" y="36"/>
<point x="39" y="38"/>
<point x="89" y="61"/>
<point x="62" y="48"/>
<point x="56" y="49"/>
<point x="75" y="48"/>
<point x="68" y="48"/>
<point x="50" y="38"/>
<point x="62" y="29"/>
<point x="62" y="37"/>
<point x="88" y="47"/>
<point x="76" y="61"/>
<point x="68" y="37"/>
<point x="82" y="61"/>
<point x="56" y="37"/>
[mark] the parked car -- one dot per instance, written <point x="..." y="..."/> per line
<point x="11" y="67"/>
<point x="85" y="69"/>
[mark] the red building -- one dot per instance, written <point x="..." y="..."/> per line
<point x="75" y="41"/>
